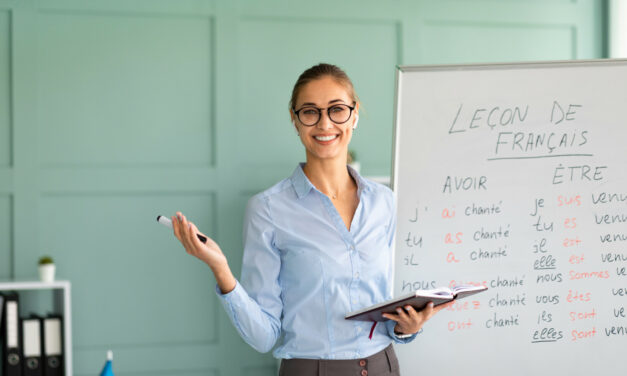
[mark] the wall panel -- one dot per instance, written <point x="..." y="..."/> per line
<point x="180" y="360"/>
<point x="448" y="42"/>
<point x="124" y="89"/>
<point x="260" y="371"/>
<point x="5" y="89"/>
<point x="6" y="236"/>
<point x="273" y="52"/>
<point x="133" y="281"/>
<point x="6" y="180"/>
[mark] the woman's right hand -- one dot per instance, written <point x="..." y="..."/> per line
<point x="210" y="253"/>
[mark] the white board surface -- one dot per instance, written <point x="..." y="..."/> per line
<point x="515" y="176"/>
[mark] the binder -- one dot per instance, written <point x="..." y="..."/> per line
<point x="31" y="346"/>
<point x="11" y="351"/>
<point x="53" y="345"/>
<point x="1" y="310"/>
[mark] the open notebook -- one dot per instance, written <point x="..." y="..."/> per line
<point x="417" y="299"/>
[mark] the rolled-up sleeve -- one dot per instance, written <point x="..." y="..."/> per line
<point x="255" y="305"/>
<point x="390" y="324"/>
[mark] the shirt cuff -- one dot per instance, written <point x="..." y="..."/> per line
<point x="390" y="324"/>
<point x="234" y="296"/>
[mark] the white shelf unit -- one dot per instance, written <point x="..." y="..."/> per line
<point x="62" y="304"/>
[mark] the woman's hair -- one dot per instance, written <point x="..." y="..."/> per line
<point x="319" y="71"/>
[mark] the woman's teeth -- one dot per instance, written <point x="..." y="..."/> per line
<point x="325" y="138"/>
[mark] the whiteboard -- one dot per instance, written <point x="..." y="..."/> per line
<point x="514" y="176"/>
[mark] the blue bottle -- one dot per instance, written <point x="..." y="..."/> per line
<point x="107" y="370"/>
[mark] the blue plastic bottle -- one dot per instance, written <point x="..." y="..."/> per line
<point x="107" y="370"/>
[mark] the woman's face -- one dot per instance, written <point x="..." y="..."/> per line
<point x="326" y="139"/>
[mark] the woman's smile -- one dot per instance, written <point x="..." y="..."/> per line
<point x="326" y="139"/>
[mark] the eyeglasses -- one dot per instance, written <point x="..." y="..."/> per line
<point x="338" y="113"/>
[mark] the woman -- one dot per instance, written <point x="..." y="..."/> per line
<point x="316" y="246"/>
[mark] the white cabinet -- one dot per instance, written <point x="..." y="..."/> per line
<point x="61" y="305"/>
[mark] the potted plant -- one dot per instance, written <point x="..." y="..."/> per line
<point x="46" y="269"/>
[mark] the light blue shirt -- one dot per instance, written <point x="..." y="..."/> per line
<point x="303" y="270"/>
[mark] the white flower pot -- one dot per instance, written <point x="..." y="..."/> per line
<point x="46" y="272"/>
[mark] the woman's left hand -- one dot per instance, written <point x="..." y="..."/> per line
<point x="410" y="321"/>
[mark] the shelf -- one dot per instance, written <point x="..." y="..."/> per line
<point x="32" y="285"/>
<point x="62" y="304"/>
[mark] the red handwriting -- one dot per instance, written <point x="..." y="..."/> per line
<point x="459" y="306"/>
<point x="464" y="305"/>
<point x="451" y="258"/>
<point x="603" y="274"/>
<point x="454" y="283"/>
<point x="577" y="296"/>
<point x="582" y="315"/>
<point x="570" y="242"/>
<point x="575" y="259"/>
<point x="459" y="325"/>
<point x="566" y="201"/>
<point x="446" y="213"/>
<point x="448" y="238"/>
<point x="570" y="223"/>
<point x="578" y="335"/>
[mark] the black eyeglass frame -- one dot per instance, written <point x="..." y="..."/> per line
<point x="351" y="109"/>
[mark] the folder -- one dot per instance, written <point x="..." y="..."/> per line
<point x="11" y="351"/>
<point x="1" y="310"/>
<point x="53" y="345"/>
<point x="31" y="346"/>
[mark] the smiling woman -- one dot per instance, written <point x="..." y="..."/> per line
<point x="324" y="109"/>
<point x="316" y="245"/>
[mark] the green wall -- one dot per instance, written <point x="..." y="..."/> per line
<point x="114" y="111"/>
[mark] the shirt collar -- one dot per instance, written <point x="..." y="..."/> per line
<point x="302" y="185"/>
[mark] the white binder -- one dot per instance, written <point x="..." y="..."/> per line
<point x="53" y="346"/>
<point x="31" y="346"/>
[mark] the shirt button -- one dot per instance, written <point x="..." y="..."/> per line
<point x="357" y="275"/>
<point x="359" y="329"/>
<point x="364" y="372"/>
<point x="352" y="248"/>
<point x="362" y="363"/>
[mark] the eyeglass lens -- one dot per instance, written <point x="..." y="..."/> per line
<point x="311" y="115"/>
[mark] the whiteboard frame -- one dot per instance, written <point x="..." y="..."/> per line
<point x="400" y="69"/>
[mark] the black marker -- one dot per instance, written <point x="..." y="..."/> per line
<point x="168" y="223"/>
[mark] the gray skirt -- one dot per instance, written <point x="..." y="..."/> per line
<point x="383" y="363"/>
